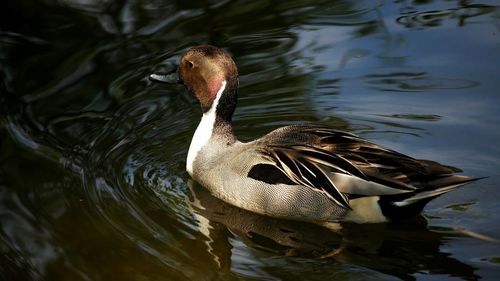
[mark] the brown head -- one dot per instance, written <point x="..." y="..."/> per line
<point x="202" y="70"/>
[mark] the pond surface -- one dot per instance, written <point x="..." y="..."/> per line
<point x="92" y="154"/>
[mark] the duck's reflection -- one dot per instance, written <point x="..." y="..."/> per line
<point x="401" y="250"/>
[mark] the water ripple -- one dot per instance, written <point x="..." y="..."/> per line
<point x="434" y="18"/>
<point x="415" y="82"/>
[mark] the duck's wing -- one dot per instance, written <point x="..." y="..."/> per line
<point x="380" y="164"/>
<point x="345" y="166"/>
<point x="311" y="167"/>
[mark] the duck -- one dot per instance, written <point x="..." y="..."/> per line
<point x="304" y="172"/>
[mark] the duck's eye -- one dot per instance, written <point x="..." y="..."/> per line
<point x="190" y="64"/>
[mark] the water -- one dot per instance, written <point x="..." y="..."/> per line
<point x="92" y="154"/>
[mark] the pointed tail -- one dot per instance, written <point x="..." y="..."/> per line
<point x="437" y="187"/>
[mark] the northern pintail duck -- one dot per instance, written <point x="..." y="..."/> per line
<point x="300" y="172"/>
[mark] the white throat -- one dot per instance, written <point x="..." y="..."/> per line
<point x="204" y="131"/>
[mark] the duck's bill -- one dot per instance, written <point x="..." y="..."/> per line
<point x="171" y="78"/>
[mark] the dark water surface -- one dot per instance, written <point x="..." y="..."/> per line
<point x="92" y="154"/>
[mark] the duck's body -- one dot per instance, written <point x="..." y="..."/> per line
<point x="301" y="172"/>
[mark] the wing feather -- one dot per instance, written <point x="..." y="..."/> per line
<point x="300" y="165"/>
<point x="343" y="165"/>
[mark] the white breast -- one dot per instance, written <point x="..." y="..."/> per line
<point x="203" y="131"/>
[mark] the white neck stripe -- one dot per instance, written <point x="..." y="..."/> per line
<point x="203" y="131"/>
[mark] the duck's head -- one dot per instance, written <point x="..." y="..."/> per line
<point x="204" y="69"/>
